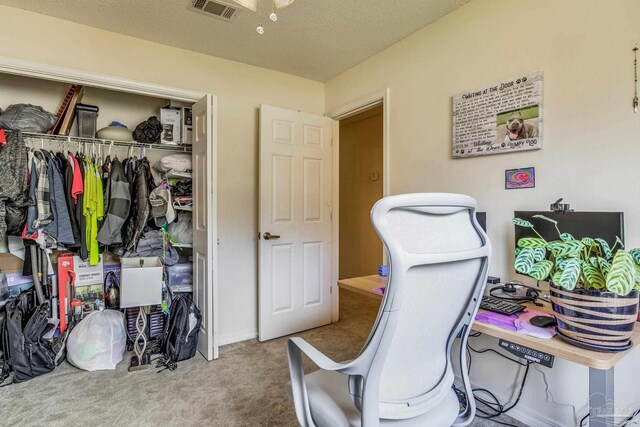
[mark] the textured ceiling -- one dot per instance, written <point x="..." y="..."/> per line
<point x="316" y="39"/>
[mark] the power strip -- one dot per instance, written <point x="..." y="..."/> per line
<point x="527" y="353"/>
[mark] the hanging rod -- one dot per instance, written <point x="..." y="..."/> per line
<point x="41" y="137"/>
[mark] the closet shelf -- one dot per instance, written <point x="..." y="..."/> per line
<point x="182" y="245"/>
<point x="41" y="137"/>
<point x="179" y="175"/>
<point x="183" y="208"/>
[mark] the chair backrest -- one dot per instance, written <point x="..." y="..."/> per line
<point x="438" y="257"/>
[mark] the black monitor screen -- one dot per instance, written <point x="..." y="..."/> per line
<point x="482" y="220"/>
<point x="604" y="225"/>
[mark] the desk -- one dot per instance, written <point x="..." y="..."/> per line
<point x="601" y="365"/>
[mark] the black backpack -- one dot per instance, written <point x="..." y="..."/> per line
<point x="24" y="351"/>
<point x="180" y="338"/>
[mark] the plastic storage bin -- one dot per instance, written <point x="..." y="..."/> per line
<point x="180" y="276"/>
<point x="87" y="120"/>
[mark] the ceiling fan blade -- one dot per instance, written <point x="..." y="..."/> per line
<point x="249" y="4"/>
<point x="281" y="4"/>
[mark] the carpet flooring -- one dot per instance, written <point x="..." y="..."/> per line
<point x="244" y="387"/>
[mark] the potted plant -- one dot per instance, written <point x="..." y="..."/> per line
<point x="594" y="286"/>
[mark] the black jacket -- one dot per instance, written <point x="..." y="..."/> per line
<point x="140" y="207"/>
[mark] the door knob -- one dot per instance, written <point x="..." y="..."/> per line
<point x="269" y="236"/>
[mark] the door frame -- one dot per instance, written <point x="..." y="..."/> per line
<point x="24" y="68"/>
<point x="372" y="100"/>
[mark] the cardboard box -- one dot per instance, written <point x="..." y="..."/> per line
<point x="171" y="126"/>
<point x="18" y="283"/>
<point x="187" y="126"/>
<point x="86" y="283"/>
<point x="10" y="263"/>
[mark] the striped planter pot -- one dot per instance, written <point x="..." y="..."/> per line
<point x="600" y="320"/>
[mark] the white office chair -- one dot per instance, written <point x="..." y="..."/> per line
<point x="403" y="376"/>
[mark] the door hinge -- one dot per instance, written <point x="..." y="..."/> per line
<point x="330" y="290"/>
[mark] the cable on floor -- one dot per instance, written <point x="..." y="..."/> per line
<point x="493" y="408"/>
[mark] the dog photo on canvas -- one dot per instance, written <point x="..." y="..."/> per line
<point x="518" y="129"/>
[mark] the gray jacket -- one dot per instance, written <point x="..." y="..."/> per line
<point x="119" y="204"/>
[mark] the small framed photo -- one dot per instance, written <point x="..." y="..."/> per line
<point x="520" y="178"/>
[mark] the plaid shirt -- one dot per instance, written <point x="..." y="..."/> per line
<point x="43" y="198"/>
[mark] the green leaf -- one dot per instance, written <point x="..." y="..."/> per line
<point x="622" y="277"/>
<point x="604" y="247"/>
<point x="619" y="242"/>
<point x="541" y="269"/>
<point x="545" y="218"/>
<point x="594" y="261"/>
<point x="635" y="254"/>
<point x="605" y="266"/>
<point x="561" y="262"/>
<point x="570" y="248"/>
<point x="522" y="223"/>
<point x="539" y="254"/>
<point x="525" y="260"/>
<point x="588" y="241"/>
<point x="637" y="275"/>
<point x="566" y="237"/>
<point x="531" y="242"/>
<point x="569" y="277"/>
<point x="593" y="276"/>
<point x="556" y="277"/>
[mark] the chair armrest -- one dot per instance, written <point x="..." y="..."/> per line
<point x="295" y="348"/>
<point x="317" y="357"/>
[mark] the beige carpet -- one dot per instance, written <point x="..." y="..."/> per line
<point x="245" y="387"/>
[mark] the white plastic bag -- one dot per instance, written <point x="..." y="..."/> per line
<point x="98" y="341"/>
<point x="182" y="230"/>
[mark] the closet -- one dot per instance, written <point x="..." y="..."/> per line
<point x="131" y="102"/>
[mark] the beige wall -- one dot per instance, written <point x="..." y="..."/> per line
<point x="360" y="155"/>
<point x="592" y="136"/>
<point x="240" y="89"/>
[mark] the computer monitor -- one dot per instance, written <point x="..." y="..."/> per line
<point x="605" y="225"/>
<point x="482" y="220"/>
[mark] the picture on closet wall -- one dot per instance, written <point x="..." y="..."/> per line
<point x="500" y="118"/>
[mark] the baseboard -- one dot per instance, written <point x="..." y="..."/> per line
<point x="243" y="336"/>
<point x="524" y="415"/>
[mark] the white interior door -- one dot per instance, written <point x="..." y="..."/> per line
<point x="204" y="223"/>
<point x="295" y="245"/>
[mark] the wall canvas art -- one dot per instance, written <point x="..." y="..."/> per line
<point x="503" y="117"/>
<point x="520" y="178"/>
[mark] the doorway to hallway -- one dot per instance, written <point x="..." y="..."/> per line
<point x="360" y="185"/>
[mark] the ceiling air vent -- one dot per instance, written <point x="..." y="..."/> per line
<point x="216" y="9"/>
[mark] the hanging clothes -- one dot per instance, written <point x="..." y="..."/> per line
<point x="77" y="186"/>
<point x="93" y="209"/>
<point x="30" y="230"/>
<point x="118" y="206"/>
<point x="60" y="227"/>
<point x="13" y="184"/>
<point x="106" y="172"/>
<point x="45" y="216"/>
<point x="82" y="222"/>
<point x="140" y="206"/>
<point x="67" y="172"/>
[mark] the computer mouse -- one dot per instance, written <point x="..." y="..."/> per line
<point x="543" y="321"/>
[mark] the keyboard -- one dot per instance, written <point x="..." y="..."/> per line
<point x="501" y="306"/>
